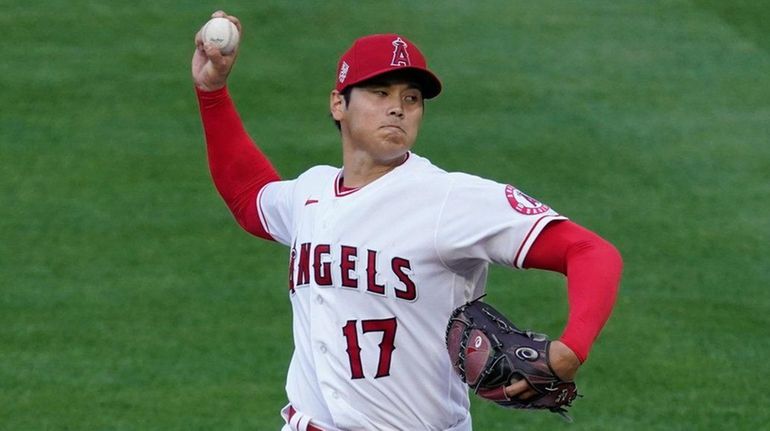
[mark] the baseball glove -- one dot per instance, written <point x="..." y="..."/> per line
<point x="490" y="353"/>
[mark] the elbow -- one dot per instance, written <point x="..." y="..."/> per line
<point x="601" y="255"/>
<point x="613" y="255"/>
<point x="613" y="263"/>
<point x="617" y="258"/>
<point x="598" y="249"/>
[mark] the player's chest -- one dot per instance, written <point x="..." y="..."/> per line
<point x="381" y="250"/>
<point x="376" y="224"/>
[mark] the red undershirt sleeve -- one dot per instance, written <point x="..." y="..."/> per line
<point x="238" y="167"/>
<point x="593" y="268"/>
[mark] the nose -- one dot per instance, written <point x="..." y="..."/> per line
<point x="396" y="111"/>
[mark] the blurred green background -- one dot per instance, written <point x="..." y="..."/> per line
<point x="130" y="300"/>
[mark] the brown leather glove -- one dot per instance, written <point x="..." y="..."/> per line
<point x="490" y="353"/>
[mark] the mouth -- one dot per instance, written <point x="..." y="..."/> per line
<point x="393" y="127"/>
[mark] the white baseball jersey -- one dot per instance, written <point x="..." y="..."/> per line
<point x="374" y="276"/>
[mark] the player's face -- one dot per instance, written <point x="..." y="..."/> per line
<point x="381" y="119"/>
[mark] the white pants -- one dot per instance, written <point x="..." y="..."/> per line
<point x="299" y="422"/>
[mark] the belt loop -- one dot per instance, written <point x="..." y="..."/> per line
<point x="298" y="421"/>
<point x="304" y="423"/>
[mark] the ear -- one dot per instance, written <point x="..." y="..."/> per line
<point x="337" y="105"/>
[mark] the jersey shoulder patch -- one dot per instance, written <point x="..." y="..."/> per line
<point x="523" y="203"/>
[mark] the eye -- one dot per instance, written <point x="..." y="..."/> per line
<point x="412" y="98"/>
<point x="379" y="92"/>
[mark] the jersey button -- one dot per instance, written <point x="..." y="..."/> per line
<point x="322" y="348"/>
<point x="319" y="299"/>
<point x="335" y="395"/>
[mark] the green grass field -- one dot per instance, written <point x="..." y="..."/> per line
<point x="130" y="300"/>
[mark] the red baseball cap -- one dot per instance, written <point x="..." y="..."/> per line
<point x="378" y="54"/>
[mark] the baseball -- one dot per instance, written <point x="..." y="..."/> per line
<point x="222" y="33"/>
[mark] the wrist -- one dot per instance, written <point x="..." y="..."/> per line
<point x="209" y="98"/>
<point x="203" y="89"/>
<point x="577" y="344"/>
<point x="563" y="360"/>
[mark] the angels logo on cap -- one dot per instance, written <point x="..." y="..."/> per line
<point x="400" y="56"/>
<point x="377" y="54"/>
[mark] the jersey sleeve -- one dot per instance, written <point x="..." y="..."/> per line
<point x="482" y="220"/>
<point x="275" y="204"/>
<point x="280" y="203"/>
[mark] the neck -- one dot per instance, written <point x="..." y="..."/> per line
<point x="359" y="170"/>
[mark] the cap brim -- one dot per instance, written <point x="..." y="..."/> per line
<point x="429" y="83"/>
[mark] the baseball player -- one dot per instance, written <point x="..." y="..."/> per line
<point x="383" y="249"/>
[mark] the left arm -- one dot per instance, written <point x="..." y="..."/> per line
<point x="593" y="268"/>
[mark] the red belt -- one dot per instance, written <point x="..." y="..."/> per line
<point x="310" y="427"/>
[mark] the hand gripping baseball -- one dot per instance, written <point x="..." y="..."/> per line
<point x="492" y="355"/>
<point x="210" y="67"/>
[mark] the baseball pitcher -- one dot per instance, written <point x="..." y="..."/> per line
<point x="385" y="248"/>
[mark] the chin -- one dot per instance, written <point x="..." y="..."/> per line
<point x="390" y="153"/>
<point x="398" y="143"/>
<point x="397" y="147"/>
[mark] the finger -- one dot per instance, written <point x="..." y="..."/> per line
<point x="199" y="38"/>
<point x="520" y="390"/>
<point x="517" y="388"/>
<point x="221" y="63"/>
<point x="237" y="23"/>
<point x="218" y="14"/>
<point x="212" y="52"/>
<point x="529" y="393"/>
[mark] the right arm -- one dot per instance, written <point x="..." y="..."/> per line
<point x="238" y="167"/>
